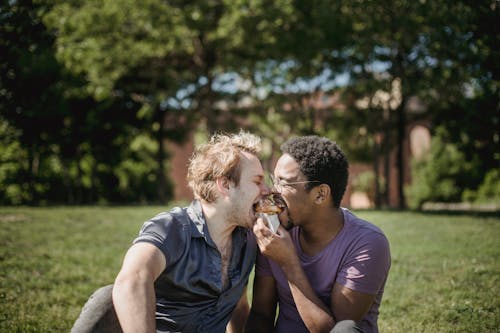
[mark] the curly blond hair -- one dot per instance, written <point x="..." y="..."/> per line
<point x="219" y="157"/>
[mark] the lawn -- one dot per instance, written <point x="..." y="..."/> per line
<point x="445" y="274"/>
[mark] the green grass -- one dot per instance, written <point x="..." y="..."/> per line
<point x="445" y="274"/>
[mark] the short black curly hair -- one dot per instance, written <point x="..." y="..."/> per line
<point x="320" y="159"/>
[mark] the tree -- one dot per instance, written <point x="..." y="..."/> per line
<point x="423" y="45"/>
<point x="166" y="56"/>
<point x="31" y="96"/>
<point x="60" y="146"/>
<point x="472" y="122"/>
<point x="108" y="77"/>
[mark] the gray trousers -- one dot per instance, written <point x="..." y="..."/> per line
<point x="98" y="314"/>
<point x="346" y="326"/>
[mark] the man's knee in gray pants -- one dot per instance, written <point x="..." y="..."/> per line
<point x="98" y="314"/>
<point x="346" y="326"/>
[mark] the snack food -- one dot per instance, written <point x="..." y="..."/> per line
<point x="269" y="208"/>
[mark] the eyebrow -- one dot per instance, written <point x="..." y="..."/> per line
<point x="289" y="180"/>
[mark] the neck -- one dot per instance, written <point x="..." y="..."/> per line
<point x="324" y="227"/>
<point x="220" y="231"/>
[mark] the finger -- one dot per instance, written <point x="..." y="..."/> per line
<point x="262" y="227"/>
<point x="261" y="235"/>
<point x="282" y="232"/>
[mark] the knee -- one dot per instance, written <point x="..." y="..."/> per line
<point x="98" y="309"/>
<point x="346" y="326"/>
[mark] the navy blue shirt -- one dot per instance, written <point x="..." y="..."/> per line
<point x="189" y="292"/>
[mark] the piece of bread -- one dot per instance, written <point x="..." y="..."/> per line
<point x="270" y="205"/>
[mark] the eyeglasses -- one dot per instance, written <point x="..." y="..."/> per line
<point x="279" y="184"/>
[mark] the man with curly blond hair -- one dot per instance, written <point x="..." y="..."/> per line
<point x="188" y="269"/>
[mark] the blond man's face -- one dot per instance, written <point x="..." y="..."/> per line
<point x="249" y="191"/>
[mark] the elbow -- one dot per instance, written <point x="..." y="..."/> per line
<point x="259" y="323"/>
<point x="242" y="308"/>
<point x="125" y="281"/>
<point x="324" y="326"/>
<point x="122" y="288"/>
<point x="128" y="284"/>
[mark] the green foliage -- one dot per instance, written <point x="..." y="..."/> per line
<point x="432" y="49"/>
<point x="365" y="182"/>
<point x="104" y="39"/>
<point x="489" y="190"/>
<point x="438" y="176"/>
<point x="82" y="82"/>
<point x="136" y="172"/>
<point x="12" y="157"/>
<point x="443" y="275"/>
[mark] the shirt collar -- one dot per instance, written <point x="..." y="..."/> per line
<point x="199" y="225"/>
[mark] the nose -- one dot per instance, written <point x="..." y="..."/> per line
<point x="265" y="190"/>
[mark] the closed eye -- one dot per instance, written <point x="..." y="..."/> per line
<point x="259" y="180"/>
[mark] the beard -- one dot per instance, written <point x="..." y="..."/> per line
<point x="237" y="215"/>
<point x="289" y="224"/>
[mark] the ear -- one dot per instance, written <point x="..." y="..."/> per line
<point x="323" y="193"/>
<point x="223" y="185"/>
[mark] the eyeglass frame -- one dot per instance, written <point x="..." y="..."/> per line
<point x="278" y="183"/>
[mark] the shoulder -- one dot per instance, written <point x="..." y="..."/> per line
<point x="175" y="220"/>
<point x="365" y="237"/>
<point x="168" y="231"/>
<point x="362" y="229"/>
<point x="367" y="258"/>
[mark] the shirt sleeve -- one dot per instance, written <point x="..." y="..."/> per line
<point x="166" y="233"/>
<point x="367" y="264"/>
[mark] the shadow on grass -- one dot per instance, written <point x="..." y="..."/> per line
<point x="451" y="212"/>
<point x="473" y="213"/>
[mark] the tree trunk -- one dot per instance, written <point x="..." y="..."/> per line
<point x="400" y="154"/>
<point x="32" y="173"/>
<point x="79" y="175"/>
<point x="160" y="157"/>
<point x="387" y="176"/>
<point x="376" y="172"/>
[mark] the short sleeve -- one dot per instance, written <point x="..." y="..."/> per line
<point x="167" y="233"/>
<point x="367" y="264"/>
<point x="262" y="266"/>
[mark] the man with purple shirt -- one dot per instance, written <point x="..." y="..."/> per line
<point x="328" y="272"/>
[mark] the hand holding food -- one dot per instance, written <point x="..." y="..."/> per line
<point x="269" y="208"/>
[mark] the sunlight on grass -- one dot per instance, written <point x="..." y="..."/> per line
<point x="444" y="276"/>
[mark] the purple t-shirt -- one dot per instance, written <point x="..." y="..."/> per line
<point x="358" y="258"/>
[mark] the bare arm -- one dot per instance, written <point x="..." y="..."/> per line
<point x="239" y="315"/>
<point x="346" y="303"/>
<point x="314" y="313"/>
<point x="263" y="311"/>
<point x="133" y="292"/>
<point x="350" y="304"/>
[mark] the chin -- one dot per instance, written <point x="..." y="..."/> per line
<point x="248" y="221"/>
<point x="289" y="224"/>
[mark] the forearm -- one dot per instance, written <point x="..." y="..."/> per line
<point x="259" y="323"/>
<point x="239" y="317"/>
<point x="315" y="314"/>
<point x="135" y="304"/>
